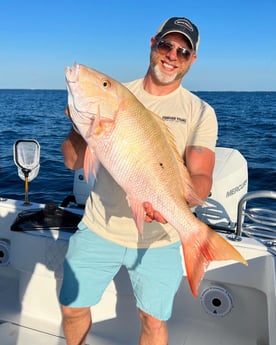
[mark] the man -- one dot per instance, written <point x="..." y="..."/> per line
<point x="107" y="237"/>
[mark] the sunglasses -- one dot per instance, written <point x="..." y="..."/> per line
<point x="164" y="47"/>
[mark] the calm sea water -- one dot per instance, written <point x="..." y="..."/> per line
<point x="246" y="122"/>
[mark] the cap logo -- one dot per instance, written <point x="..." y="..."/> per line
<point x="185" y="23"/>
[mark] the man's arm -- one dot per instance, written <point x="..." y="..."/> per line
<point x="73" y="149"/>
<point x="200" y="163"/>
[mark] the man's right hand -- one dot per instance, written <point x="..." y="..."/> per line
<point x="151" y="214"/>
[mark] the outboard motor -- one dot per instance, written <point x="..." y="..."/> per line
<point x="230" y="183"/>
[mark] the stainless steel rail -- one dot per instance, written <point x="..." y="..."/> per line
<point x="256" y="222"/>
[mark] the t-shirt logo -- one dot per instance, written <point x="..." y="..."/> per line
<point x="174" y="118"/>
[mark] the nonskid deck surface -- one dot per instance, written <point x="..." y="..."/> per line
<point x="12" y="334"/>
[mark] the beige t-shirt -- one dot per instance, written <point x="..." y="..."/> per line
<point x="193" y="122"/>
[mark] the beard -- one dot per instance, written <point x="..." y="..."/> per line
<point x="162" y="77"/>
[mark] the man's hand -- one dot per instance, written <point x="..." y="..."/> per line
<point x="151" y="214"/>
<point x="67" y="111"/>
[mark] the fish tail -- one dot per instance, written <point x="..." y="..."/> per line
<point x="202" y="247"/>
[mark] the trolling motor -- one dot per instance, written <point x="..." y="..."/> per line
<point x="26" y="155"/>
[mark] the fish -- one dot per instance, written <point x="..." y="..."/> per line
<point x="138" y="150"/>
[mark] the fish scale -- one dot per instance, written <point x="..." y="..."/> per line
<point x="122" y="157"/>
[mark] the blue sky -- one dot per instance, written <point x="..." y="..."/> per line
<point x="39" y="38"/>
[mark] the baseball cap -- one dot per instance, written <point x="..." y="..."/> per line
<point x="183" y="26"/>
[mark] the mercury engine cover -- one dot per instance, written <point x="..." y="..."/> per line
<point x="230" y="183"/>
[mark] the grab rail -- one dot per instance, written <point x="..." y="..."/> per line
<point x="256" y="222"/>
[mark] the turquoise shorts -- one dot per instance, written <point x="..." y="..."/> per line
<point x="92" y="262"/>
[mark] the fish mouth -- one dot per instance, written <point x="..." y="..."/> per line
<point x="72" y="73"/>
<point x="83" y="108"/>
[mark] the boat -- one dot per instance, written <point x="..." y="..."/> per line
<point x="236" y="304"/>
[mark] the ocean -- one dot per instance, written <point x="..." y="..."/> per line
<point x="247" y="122"/>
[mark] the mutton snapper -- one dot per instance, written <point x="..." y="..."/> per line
<point x="138" y="150"/>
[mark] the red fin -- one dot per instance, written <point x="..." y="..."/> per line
<point x="90" y="164"/>
<point x="202" y="247"/>
<point x="138" y="213"/>
<point x="100" y="125"/>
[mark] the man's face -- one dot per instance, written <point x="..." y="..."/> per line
<point x="169" y="62"/>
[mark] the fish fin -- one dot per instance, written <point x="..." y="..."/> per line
<point x="202" y="247"/>
<point x="91" y="163"/>
<point x="187" y="185"/>
<point x="168" y="134"/>
<point x="138" y="213"/>
<point x="100" y="125"/>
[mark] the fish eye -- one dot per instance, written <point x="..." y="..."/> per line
<point x="106" y="83"/>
